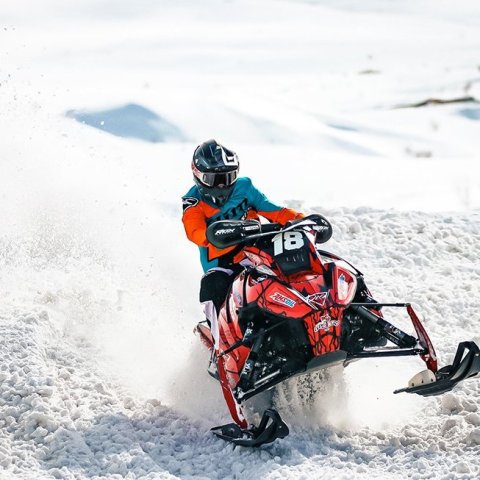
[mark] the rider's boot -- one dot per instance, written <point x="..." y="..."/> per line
<point x="211" y="318"/>
<point x="212" y="366"/>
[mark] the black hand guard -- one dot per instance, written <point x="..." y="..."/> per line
<point x="226" y="233"/>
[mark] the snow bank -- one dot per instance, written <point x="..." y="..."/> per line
<point x="70" y="410"/>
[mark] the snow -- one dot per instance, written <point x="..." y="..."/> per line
<point x="101" y="375"/>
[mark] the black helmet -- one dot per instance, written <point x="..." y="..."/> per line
<point x="215" y="171"/>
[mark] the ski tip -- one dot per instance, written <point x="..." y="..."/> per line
<point x="270" y="428"/>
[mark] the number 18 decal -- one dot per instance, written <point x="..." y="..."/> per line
<point x="287" y="241"/>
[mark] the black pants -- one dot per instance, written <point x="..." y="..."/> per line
<point x="215" y="284"/>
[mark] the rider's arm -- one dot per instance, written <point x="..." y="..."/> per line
<point x="194" y="222"/>
<point x="282" y="216"/>
<point x="270" y="210"/>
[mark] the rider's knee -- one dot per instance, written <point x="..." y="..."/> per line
<point x="214" y="286"/>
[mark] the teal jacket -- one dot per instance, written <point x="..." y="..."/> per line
<point x="245" y="201"/>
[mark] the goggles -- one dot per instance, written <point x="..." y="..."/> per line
<point x="224" y="179"/>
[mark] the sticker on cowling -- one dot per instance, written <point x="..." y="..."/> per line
<point x="283" y="300"/>
<point x="325" y="322"/>
<point x="189" y="202"/>
<point x="318" y="299"/>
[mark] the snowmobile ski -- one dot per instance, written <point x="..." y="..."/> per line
<point x="270" y="428"/>
<point x="464" y="365"/>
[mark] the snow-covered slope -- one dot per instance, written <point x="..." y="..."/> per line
<point x="101" y="376"/>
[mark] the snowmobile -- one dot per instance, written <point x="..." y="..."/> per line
<point x="295" y="309"/>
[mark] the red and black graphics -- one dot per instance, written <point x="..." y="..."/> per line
<point x="288" y="282"/>
<point x="309" y="301"/>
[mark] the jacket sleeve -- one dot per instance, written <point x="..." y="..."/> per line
<point x="194" y="222"/>
<point x="282" y="216"/>
<point x="270" y="210"/>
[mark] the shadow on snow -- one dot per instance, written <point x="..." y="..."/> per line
<point x="131" y="121"/>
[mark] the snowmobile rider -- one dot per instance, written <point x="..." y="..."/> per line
<point x="219" y="194"/>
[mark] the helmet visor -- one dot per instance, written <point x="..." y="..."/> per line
<point x="224" y="179"/>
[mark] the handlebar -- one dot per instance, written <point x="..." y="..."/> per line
<point x="227" y="233"/>
<point x="270" y="227"/>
